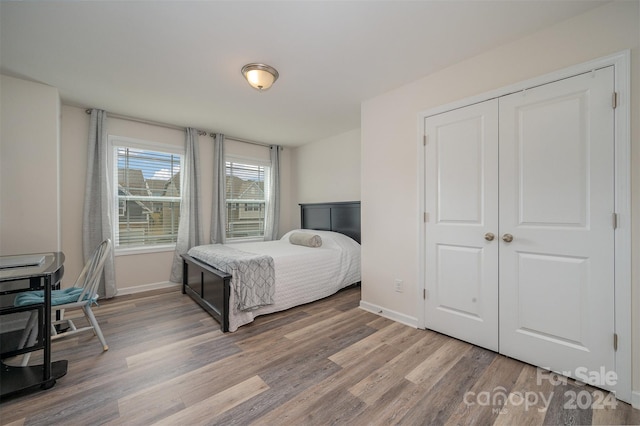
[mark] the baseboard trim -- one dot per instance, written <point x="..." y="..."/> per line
<point x="388" y="313"/>
<point x="635" y="399"/>
<point x="146" y="287"/>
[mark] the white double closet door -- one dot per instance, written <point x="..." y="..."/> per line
<point x="520" y="236"/>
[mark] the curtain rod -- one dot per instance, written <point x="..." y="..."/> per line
<point x="266" y="145"/>
<point x="175" y="127"/>
<point x="143" y="121"/>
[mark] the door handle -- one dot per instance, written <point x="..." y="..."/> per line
<point x="507" y="238"/>
<point x="489" y="236"/>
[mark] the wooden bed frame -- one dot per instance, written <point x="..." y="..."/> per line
<point x="211" y="288"/>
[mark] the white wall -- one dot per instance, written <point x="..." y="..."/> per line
<point x="326" y="170"/>
<point x="29" y="167"/>
<point x="137" y="271"/>
<point x="390" y="144"/>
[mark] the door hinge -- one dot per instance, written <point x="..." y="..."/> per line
<point x="615" y="341"/>
<point x="424" y="293"/>
<point x="426" y="217"/>
<point x="615" y="220"/>
<point x="424" y="140"/>
<point x="614" y="100"/>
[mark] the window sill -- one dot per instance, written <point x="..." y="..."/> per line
<point x="244" y="240"/>
<point x="125" y="251"/>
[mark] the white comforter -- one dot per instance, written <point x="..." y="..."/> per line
<point x="302" y="274"/>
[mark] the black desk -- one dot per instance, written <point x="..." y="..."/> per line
<point x="45" y="277"/>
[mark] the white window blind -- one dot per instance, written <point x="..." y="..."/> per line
<point x="245" y="197"/>
<point x="147" y="193"/>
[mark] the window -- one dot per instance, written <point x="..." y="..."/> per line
<point x="246" y="181"/>
<point x="147" y="194"/>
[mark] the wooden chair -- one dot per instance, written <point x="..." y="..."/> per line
<point x="82" y="295"/>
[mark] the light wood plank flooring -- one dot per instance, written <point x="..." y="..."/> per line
<point x="328" y="362"/>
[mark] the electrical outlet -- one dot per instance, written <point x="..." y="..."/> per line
<point x="399" y="285"/>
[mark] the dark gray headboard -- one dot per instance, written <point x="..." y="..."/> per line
<point x="342" y="217"/>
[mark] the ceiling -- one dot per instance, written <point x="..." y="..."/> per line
<point x="179" y="62"/>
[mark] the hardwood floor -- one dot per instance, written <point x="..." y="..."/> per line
<point x="328" y="362"/>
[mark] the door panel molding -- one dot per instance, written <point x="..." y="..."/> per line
<point x="462" y="289"/>
<point x="556" y="159"/>
<point x="621" y="63"/>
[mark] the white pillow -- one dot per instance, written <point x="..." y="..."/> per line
<point x="305" y="239"/>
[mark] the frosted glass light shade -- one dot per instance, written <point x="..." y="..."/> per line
<point x="260" y="76"/>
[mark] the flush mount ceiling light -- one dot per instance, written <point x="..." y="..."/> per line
<point x="260" y="76"/>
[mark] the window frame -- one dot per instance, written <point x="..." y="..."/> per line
<point x="251" y="161"/>
<point x="114" y="142"/>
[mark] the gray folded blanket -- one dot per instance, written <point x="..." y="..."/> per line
<point x="252" y="275"/>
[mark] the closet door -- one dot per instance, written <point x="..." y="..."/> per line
<point x="461" y="195"/>
<point x="556" y="224"/>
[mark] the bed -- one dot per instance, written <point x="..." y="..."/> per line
<point x="223" y="280"/>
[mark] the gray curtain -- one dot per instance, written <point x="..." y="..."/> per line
<point x="189" y="228"/>
<point x="98" y="201"/>
<point x="272" y="214"/>
<point x="218" y="205"/>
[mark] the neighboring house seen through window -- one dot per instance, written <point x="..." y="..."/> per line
<point x="246" y="198"/>
<point x="147" y="194"/>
